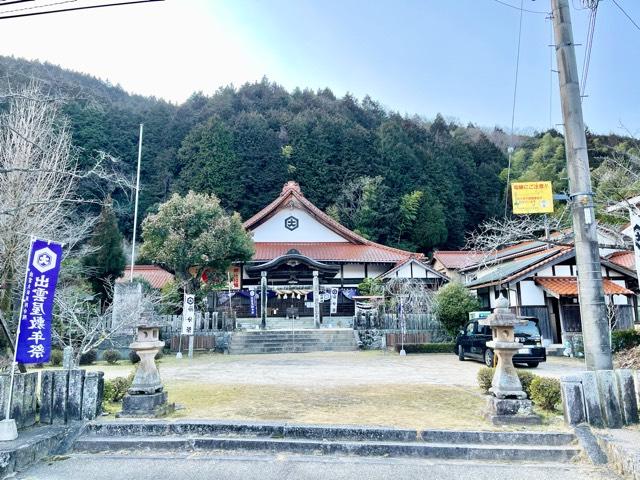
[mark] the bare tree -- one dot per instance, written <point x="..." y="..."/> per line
<point x="39" y="178"/>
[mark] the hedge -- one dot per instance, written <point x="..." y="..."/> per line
<point x="542" y="391"/>
<point x="624" y="339"/>
<point x="428" y="348"/>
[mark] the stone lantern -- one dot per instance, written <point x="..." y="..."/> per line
<point x="508" y="403"/>
<point x="146" y="396"/>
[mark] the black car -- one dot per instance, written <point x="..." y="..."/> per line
<point x="472" y="343"/>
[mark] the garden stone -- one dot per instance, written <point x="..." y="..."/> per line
<point x="572" y="401"/>
<point x="76" y="383"/>
<point x="92" y="395"/>
<point x="592" y="399"/>
<point x="60" y="396"/>
<point x="46" y="397"/>
<point x="627" y="396"/>
<point x="67" y="358"/>
<point x="609" y="398"/>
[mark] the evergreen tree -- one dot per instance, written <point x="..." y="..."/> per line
<point x="106" y="262"/>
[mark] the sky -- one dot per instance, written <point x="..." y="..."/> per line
<point x="417" y="57"/>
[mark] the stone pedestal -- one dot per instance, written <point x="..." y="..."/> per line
<point x="510" y="411"/>
<point x="145" y="397"/>
<point x="509" y="404"/>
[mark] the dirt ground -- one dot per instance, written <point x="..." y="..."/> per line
<point x="375" y="388"/>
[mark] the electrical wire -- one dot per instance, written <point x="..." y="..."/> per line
<point x="520" y="8"/>
<point x="2" y="4"/>
<point x="589" y="44"/>
<point x="32" y="14"/>
<point x="36" y="6"/>
<point x="626" y="14"/>
<point x="513" y="110"/>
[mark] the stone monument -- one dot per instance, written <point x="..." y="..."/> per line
<point x="508" y="403"/>
<point x="146" y="396"/>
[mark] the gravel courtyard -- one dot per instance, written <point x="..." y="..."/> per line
<point x="375" y="388"/>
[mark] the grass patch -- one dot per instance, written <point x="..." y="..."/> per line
<point x="408" y="406"/>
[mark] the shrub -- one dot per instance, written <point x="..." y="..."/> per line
<point x="452" y="304"/>
<point x="485" y="376"/>
<point x="624" y="339"/>
<point x="116" y="389"/>
<point x="428" y="348"/>
<point x="111" y="356"/>
<point x="56" y="358"/>
<point x="545" y="392"/>
<point x="159" y="355"/>
<point x="133" y="357"/>
<point x="88" y="358"/>
<point x="526" y="378"/>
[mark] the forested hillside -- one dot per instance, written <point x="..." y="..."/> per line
<point x="397" y="180"/>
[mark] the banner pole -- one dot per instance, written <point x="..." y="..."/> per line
<point x="15" y="349"/>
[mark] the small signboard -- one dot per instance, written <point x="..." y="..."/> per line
<point x="188" y="314"/>
<point x="532" y="197"/>
<point x="334" y="300"/>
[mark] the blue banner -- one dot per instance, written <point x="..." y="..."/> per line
<point x="252" y="297"/>
<point x="34" y="329"/>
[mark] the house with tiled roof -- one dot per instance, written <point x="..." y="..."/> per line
<point x="295" y="241"/>
<point x="157" y="277"/>
<point x="542" y="283"/>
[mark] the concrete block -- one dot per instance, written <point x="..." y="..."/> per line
<point x="507" y="411"/>
<point x="46" y="397"/>
<point x="60" y="396"/>
<point x="609" y="398"/>
<point x="92" y="395"/>
<point x="628" y="400"/>
<point x="153" y="405"/>
<point x="30" y="400"/>
<point x="74" y="401"/>
<point x="592" y="405"/>
<point x="17" y="400"/>
<point x="573" y="402"/>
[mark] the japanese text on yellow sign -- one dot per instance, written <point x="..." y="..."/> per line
<point x="532" y="197"/>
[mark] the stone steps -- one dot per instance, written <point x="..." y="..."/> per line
<point x="327" y="440"/>
<point x="282" y="341"/>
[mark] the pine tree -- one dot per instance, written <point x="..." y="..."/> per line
<point x="106" y="262"/>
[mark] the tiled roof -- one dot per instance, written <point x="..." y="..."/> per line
<point x="291" y="192"/>
<point x="331" y="251"/>
<point x="624" y="259"/>
<point x="455" y="259"/>
<point x="519" y="267"/>
<point x="156" y="276"/>
<point x="568" y="286"/>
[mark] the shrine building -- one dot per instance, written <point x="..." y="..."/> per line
<point x="299" y="251"/>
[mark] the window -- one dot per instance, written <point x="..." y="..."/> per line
<point x="470" y="329"/>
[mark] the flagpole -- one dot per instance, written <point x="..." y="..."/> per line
<point x="15" y="349"/>
<point x="135" y="209"/>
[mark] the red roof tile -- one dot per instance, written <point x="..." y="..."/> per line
<point x="568" y="286"/>
<point x="455" y="259"/>
<point x="624" y="259"/>
<point x="156" y="276"/>
<point x="331" y="251"/>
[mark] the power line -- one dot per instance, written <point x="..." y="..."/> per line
<point x="513" y="109"/>
<point x="36" y="6"/>
<point x="520" y="8"/>
<point x="626" y="14"/>
<point x="587" y="54"/>
<point x="13" y="2"/>
<point x="32" y="14"/>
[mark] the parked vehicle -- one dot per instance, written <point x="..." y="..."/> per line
<point x="471" y="343"/>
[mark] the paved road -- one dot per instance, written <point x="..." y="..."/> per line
<point x="269" y="467"/>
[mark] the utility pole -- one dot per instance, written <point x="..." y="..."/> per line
<point x="595" y="328"/>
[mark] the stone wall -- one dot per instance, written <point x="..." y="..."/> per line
<point x="62" y="395"/>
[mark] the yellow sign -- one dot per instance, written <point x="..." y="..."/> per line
<point x="532" y="197"/>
